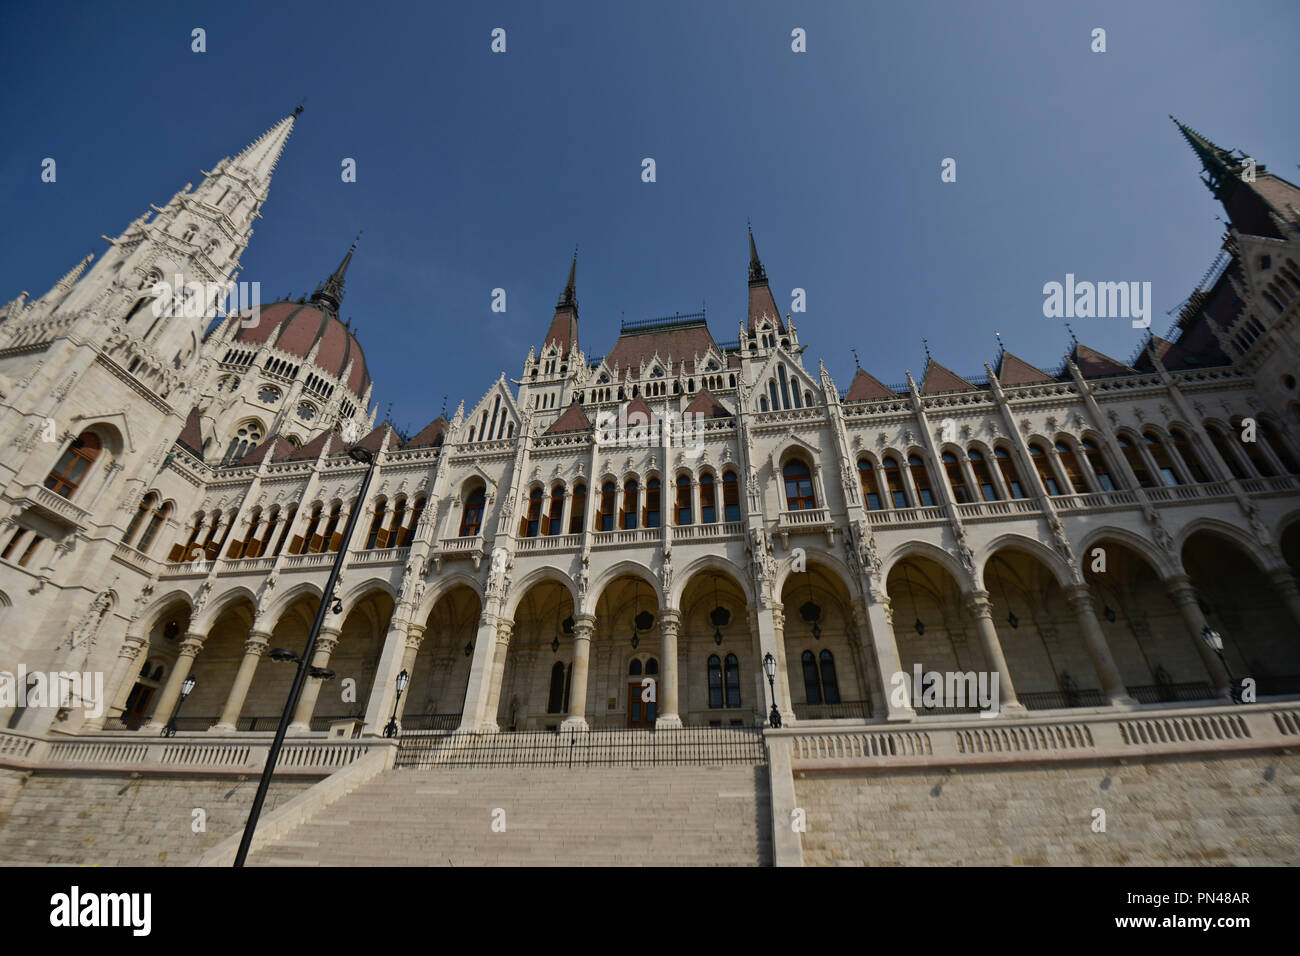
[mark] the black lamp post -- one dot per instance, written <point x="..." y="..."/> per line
<point x="390" y="729"/>
<point x="187" y="685"/>
<point x="363" y="456"/>
<point x="769" y="667"/>
<point x="1215" y="640"/>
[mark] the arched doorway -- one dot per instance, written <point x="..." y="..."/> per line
<point x="829" y="676"/>
<point x="720" y="682"/>
<point x="440" y="671"/>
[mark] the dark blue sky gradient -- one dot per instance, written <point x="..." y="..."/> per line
<point x="478" y="170"/>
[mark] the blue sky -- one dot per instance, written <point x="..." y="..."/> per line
<point x="478" y="171"/>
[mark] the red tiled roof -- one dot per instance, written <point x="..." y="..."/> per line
<point x="760" y="301"/>
<point x="294" y="328"/>
<point x="1016" y="371"/>
<point x="309" y="450"/>
<point x="279" y="444"/>
<point x="708" y="406"/>
<point x="865" y="388"/>
<point x="1094" y="364"/>
<point x="939" y="379"/>
<point x="564" y="330"/>
<point x="573" y="420"/>
<point x="431" y="435"/>
<point x="638" y="405"/>
<point x="191" y="435"/>
<point x="635" y="348"/>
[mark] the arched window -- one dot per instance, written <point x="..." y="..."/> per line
<point x="870" y="494"/>
<point x="1010" y="476"/>
<point x="1258" y="460"/>
<point x="715" y="682"/>
<point x="578" y="509"/>
<point x="1225" y="451"/>
<point x="71" y="468"/>
<point x="1161" y="455"/>
<point x="798" y="486"/>
<point x="555" y="511"/>
<point x="631" y="498"/>
<point x="894" y="481"/>
<point x="983" y="477"/>
<point x="555" y="699"/>
<point x="921" y="478"/>
<point x="396" y="531"/>
<point x="1183" y="445"/>
<point x="146" y="505"/>
<point x="377" y="526"/>
<point x="1070" y="462"/>
<point x="156" y="521"/>
<point x="830" y="684"/>
<point x="288" y="526"/>
<point x="957" y="480"/>
<point x="731" y="497"/>
<point x="259" y="547"/>
<point x="1044" y="466"/>
<point x="762" y="403"/>
<point x="332" y="538"/>
<point x="812" y="688"/>
<point x="471" y="519"/>
<point x="1134" y="458"/>
<point x="708" y="500"/>
<point x="733" y="680"/>
<point x="652" y="504"/>
<point x="1097" y="462"/>
<point x="531" y="522"/>
<point x="634" y="668"/>
<point x="247" y="437"/>
<point x="682" y="504"/>
<point x="1280" y="448"/>
<point x="310" y="539"/>
<point x="652" y="666"/>
<point x="608" y="493"/>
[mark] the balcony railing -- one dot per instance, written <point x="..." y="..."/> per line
<point x="131" y="556"/>
<point x="461" y="545"/>
<point x="808" y="517"/>
<point x="53" y="506"/>
<point x="1055" y="699"/>
<point x="603" y="539"/>
<point x="379" y="555"/>
<point x="690" y="532"/>
<point x="848" y="709"/>
<point x="416" y="722"/>
<point x="908" y="516"/>
<point x="551" y="542"/>
<point x="1166" y="693"/>
<point x="317" y="560"/>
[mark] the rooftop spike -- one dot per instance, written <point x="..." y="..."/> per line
<point x="261" y="155"/>
<point x="756" y="271"/>
<point x="329" y="293"/>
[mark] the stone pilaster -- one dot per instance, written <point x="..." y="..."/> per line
<point x="1112" y="684"/>
<point x="667" y="714"/>
<point x="326" y="641"/>
<point x="978" y="603"/>
<point x="171" y="693"/>
<point x="254" y="648"/>
<point x="583" y="625"/>
<point x="1183" y="594"/>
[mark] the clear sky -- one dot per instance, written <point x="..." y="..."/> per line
<point x="478" y="170"/>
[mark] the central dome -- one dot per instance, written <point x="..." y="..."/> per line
<point x="296" y="327"/>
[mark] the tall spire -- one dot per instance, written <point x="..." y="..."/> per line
<point x="260" y="156"/>
<point x="564" y="327"/>
<point x="761" y="301"/>
<point x="569" y="297"/>
<point x="329" y="294"/>
<point x="756" y="271"/>
<point x="1221" y="167"/>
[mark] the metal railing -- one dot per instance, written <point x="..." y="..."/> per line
<point x="1163" y="693"/>
<point x="1056" y="699"/>
<point x="591" y="748"/>
<point x="860" y="709"/>
<point x="413" y="722"/>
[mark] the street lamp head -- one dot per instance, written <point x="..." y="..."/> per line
<point x="1213" y="638"/>
<point x="186" y="686"/>
<point x="282" y="655"/>
<point x="357" y="453"/>
<point x="769" y="665"/>
<point x="321" y="673"/>
<point x="469" y="648"/>
<point x="402" y="679"/>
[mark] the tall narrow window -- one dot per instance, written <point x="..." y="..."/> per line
<point x="631" y="498"/>
<point x="1097" y="462"/>
<point x="156" y="520"/>
<point x="1164" y="464"/>
<point x="532" y="520"/>
<point x="683" y="502"/>
<point x="1225" y="451"/>
<point x="1007" y="465"/>
<point x="332" y="536"/>
<point x="731" y="496"/>
<point x="715" y="682"/>
<point x="1183" y="445"/>
<point x="830" y="684"/>
<point x="894" y="480"/>
<point x="1044" y="467"/>
<point x="608" y="493"/>
<point x="652" y="503"/>
<point x="555" y="514"/>
<point x="1070" y="462"/>
<point x="733" y="681"/>
<point x="798" y="486"/>
<point x="555" y="699"/>
<point x="395" y="529"/>
<point x="417" y="513"/>
<point x="31" y="549"/>
<point x="812" y="688"/>
<point x="146" y="505"/>
<point x="983" y="477"/>
<point x="1134" y="458"/>
<point x="268" y="536"/>
<point x="921" y="478"/>
<point x="956" y="479"/>
<point x="288" y="526"/>
<point x="376" y="526"/>
<point x="578" y="512"/>
<point x="708" y="500"/>
<point x="13" y="543"/>
<point x="1280" y="448"/>
<point x="471" y="520"/>
<point x="311" y="538"/>
<point x="870" y="493"/>
<point x="70" y="470"/>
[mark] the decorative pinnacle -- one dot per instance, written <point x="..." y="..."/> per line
<point x="756" y="271"/>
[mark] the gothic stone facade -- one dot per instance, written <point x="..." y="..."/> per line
<point x="173" y="498"/>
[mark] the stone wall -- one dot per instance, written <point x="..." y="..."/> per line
<point x="114" y="820"/>
<point x="1177" y="811"/>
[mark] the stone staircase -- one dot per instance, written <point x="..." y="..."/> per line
<point x="655" y="815"/>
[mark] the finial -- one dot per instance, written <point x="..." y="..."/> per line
<point x="443" y="413"/>
<point x="1071" y="331"/>
<point x="928" y="357"/>
<point x="297" y="110"/>
<point x="855" y="358"/>
<point x="998" y="335"/>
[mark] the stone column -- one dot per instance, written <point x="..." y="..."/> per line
<point x="188" y="650"/>
<point x="978" y="603"/>
<point x="666" y="713"/>
<point x="1183" y="594"/>
<point x="326" y="641"/>
<point x="379" y="702"/>
<point x="414" y="638"/>
<point x="1286" y="585"/>
<point x="119" y="686"/>
<point x="1112" y="684"/>
<point x="493" y="702"/>
<point x="583" y="625"/>
<point x="872" y="623"/>
<point x="771" y="640"/>
<point x="256" y="645"/>
<point x="474" y="717"/>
